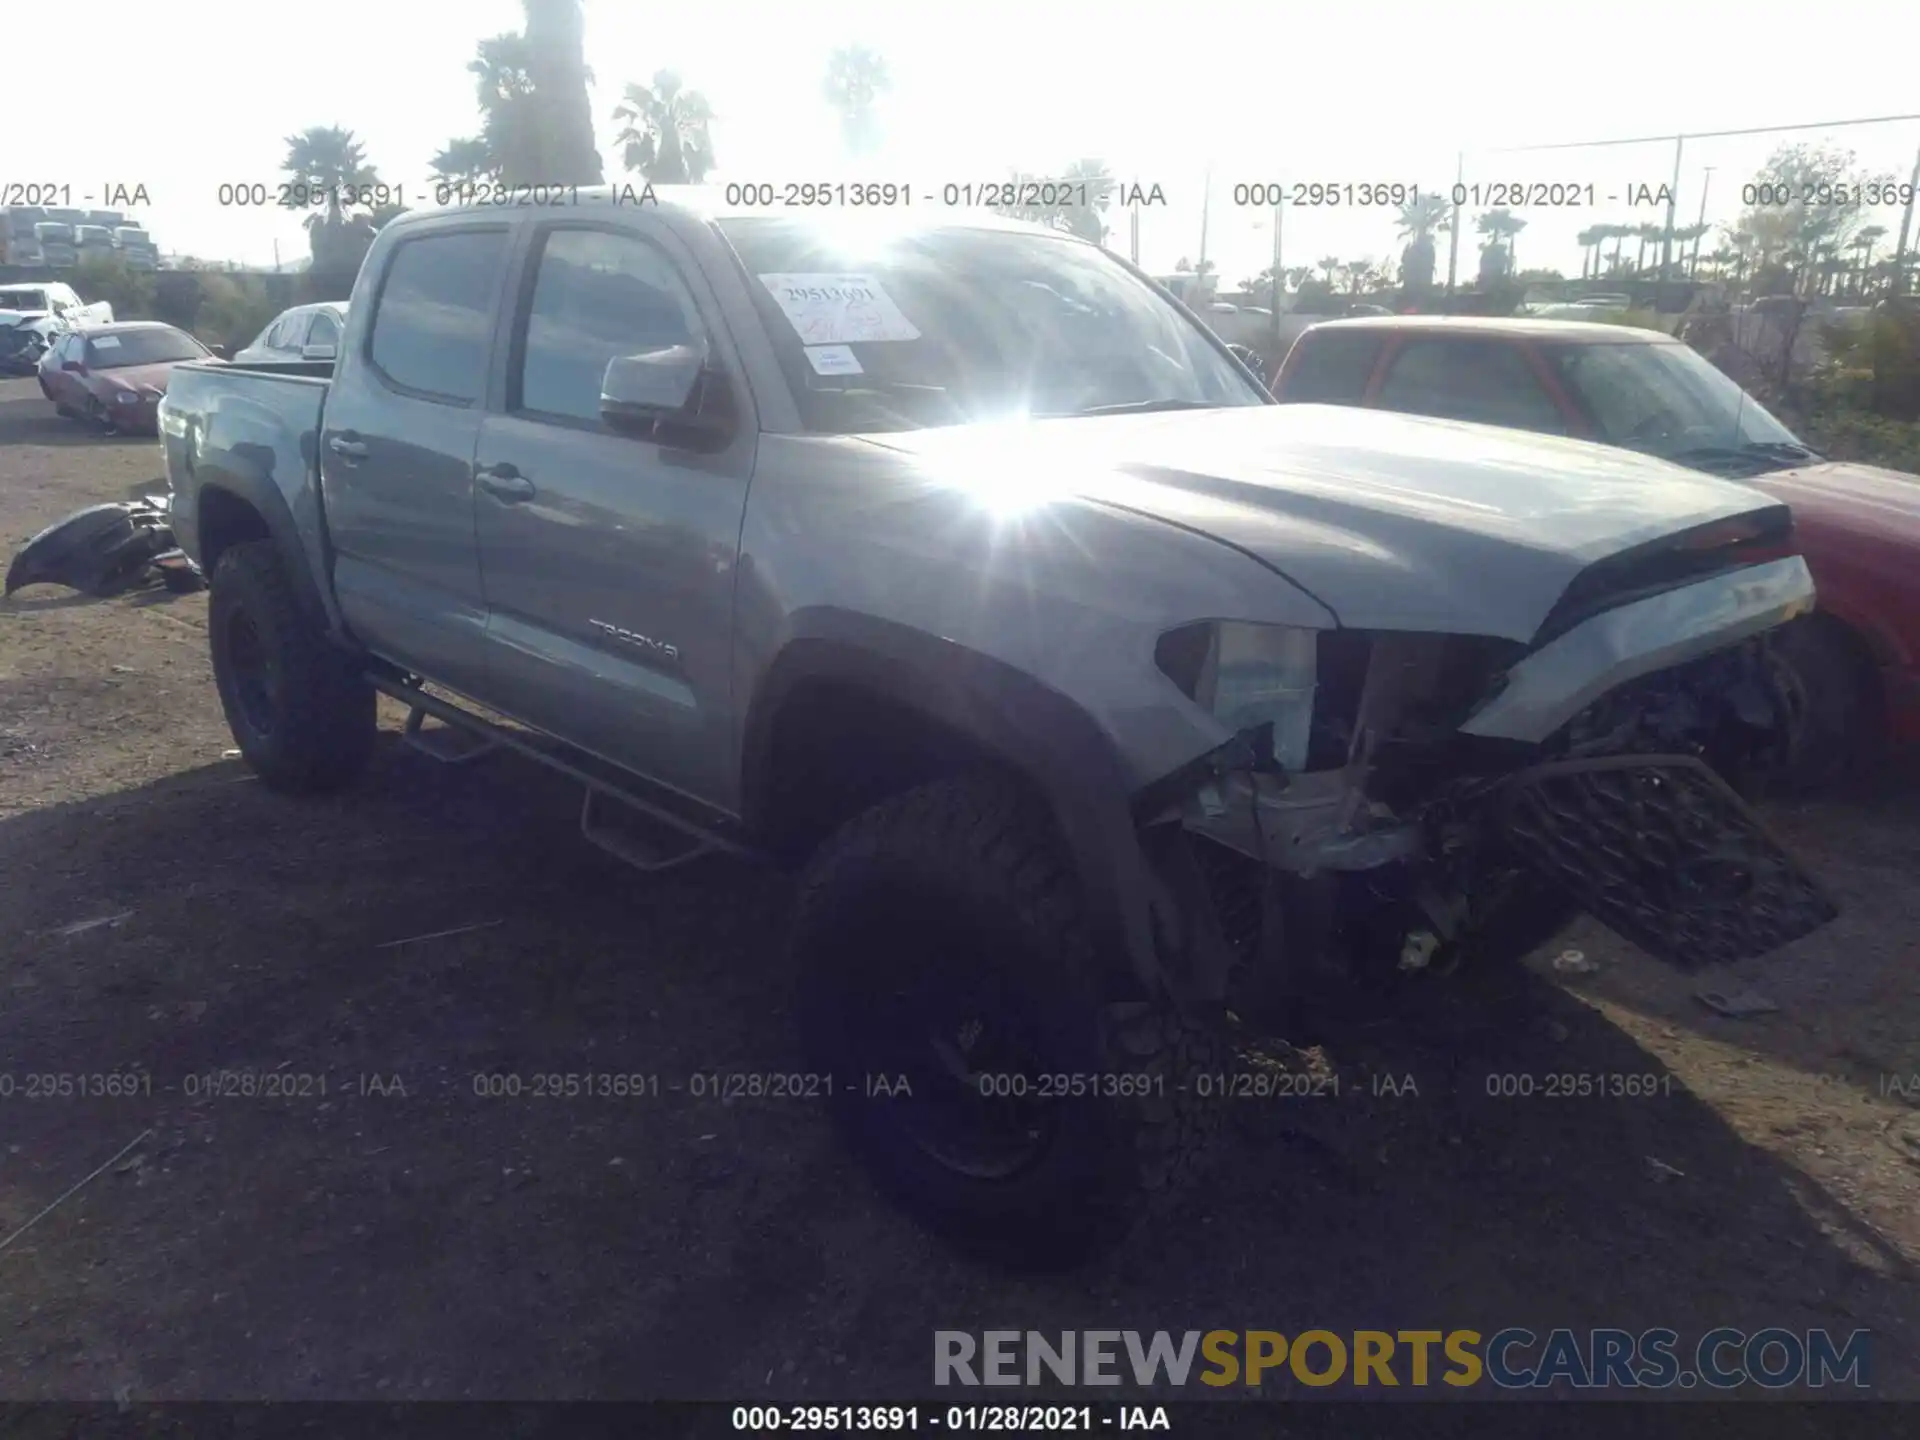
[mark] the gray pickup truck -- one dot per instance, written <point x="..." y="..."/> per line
<point x="1106" y="708"/>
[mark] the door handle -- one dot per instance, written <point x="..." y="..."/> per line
<point x="504" y="482"/>
<point x="346" y="447"/>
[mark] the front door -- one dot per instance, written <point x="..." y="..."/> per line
<point x="608" y="560"/>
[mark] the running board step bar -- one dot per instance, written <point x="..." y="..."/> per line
<point x="661" y="840"/>
<point x="472" y="747"/>
<point x="639" y="850"/>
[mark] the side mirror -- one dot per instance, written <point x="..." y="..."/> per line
<point x="670" y="395"/>
<point x="221" y="352"/>
<point x="319" y="352"/>
<point x="73" y="366"/>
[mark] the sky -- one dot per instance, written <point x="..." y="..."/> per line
<point x="196" y="93"/>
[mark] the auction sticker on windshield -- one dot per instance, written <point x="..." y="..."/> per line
<point x="833" y="360"/>
<point x="836" y="309"/>
<point x="106" y="342"/>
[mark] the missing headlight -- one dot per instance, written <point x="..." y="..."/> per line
<point x="1248" y="676"/>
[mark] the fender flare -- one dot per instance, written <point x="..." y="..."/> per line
<point x="1035" y="731"/>
<point x="244" y="473"/>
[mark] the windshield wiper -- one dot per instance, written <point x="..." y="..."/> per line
<point x="1766" y="454"/>
<point x="1130" y="407"/>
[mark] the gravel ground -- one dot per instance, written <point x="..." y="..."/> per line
<point x="384" y="1231"/>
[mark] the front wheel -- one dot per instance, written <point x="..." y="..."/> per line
<point x="994" y="1087"/>
<point x="302" y="716"/>
<point x="1831" y="683"/>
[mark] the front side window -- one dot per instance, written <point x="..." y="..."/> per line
<point x="1479" y="380"/>
<point x="325" y="331"/>
<point x="897" y="329"/>
<point x="432" y="322"/>
<point x="596" y="297"/>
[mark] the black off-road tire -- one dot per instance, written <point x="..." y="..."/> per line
<point x="1837" y="739"/>
<point x="308" y="725"/>
<point x="965" y="875"/>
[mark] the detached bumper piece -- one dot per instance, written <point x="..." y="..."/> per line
<point x="104" y="550"/>
<point x="1660" y="849"/>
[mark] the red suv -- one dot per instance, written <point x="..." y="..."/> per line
<point x="1857" y="661"/>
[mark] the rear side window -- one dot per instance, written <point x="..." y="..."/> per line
<point x="432" y="323"/>
<point x="1333" y="367"/>
<point x="326" y="331"/>
<point x="1480" y="380"/>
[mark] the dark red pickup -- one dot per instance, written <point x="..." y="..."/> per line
<point x="1858" y="660"/>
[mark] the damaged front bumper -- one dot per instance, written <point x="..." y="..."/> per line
<point x="1585" y="774"/>
<point x="1661" y="850"/>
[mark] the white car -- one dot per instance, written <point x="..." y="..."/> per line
<point x="306" y="332"/>
<point x="32" y="314"/>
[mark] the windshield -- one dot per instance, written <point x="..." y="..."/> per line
<point x="50" y="233"/>
<point x="129" y="235"/>
<point x="911" y="329"/>
<point x="93" y="235"/>
<point x="1663" y="399"/>
<point x="24" y="300"/>
<point x="142" y="347"/>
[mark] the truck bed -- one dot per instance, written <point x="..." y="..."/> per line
<point x="253" y="431"/>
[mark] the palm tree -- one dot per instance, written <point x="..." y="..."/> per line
<point x="506" y="147"/>
<point x="1298" y="275"/>
<point x="1417" y="220"/>
<point x="666" y="136"/>
<point x="1869" y="236"/>
<point x="1618" y="234"/>
<point x="1329" y="264"/>
<point x="466" y="161"/>
<point x="563" y="149"/>
<point x="326" y="160"/>
<point x="1589" y="240"/>
<point x="856" y="79"/>
<point x="1500" y="224"/>
<point x="1690" y="235"/>
<point x="1098" y="183"/>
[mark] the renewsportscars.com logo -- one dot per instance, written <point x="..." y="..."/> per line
<point x="1510" y="1359"/>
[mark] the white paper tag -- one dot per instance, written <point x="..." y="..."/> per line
<point x="106" y="342"/>
<point x="833" y="360"/>
<point x="834" y="309"/>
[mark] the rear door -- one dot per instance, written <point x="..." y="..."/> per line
<point x="396" y="451"/>
<point x="609" y="559"/>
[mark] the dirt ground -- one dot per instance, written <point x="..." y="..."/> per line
<point x="403" y="1236"/>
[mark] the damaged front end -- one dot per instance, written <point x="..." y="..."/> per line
<point x="1403" y="802"/>
<point x="105" y="550"/>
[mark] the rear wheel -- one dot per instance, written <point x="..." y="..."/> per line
<point x="982" y="1072"/>
<point x="302" y="716"/>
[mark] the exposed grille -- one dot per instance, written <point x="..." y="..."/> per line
<point x="1660" y="849"/>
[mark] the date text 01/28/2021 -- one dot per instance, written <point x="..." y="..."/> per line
<point x="999" y="1419"/>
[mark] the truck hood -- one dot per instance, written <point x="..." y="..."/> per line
<point x="1842" y="495"/>
<point x="1393" y="522"/>
<point x="11" y="318"/>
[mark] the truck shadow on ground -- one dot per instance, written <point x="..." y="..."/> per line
<point x="30" y="419"/>
<point x="429" y="1227"/>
